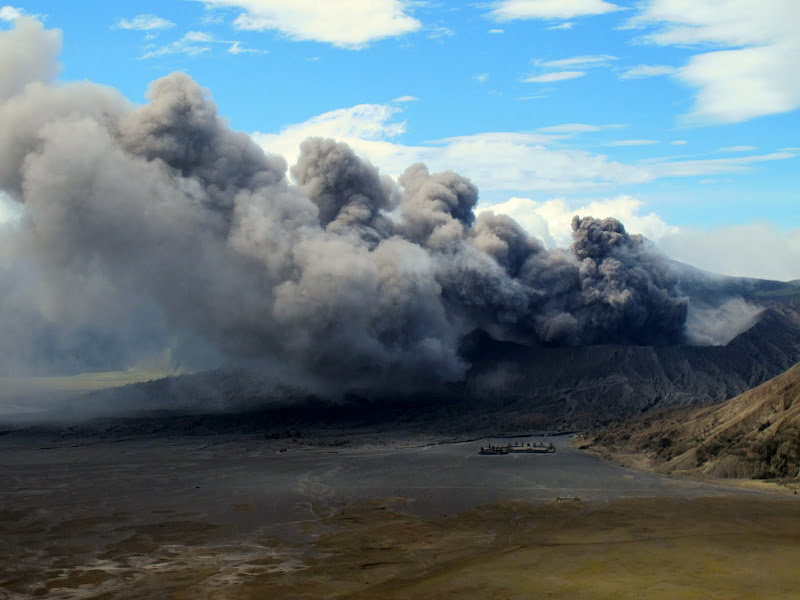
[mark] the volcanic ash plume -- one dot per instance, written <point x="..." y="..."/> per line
<point x="158" y="226"/>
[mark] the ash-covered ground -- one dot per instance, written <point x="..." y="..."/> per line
<point x="133" y="517"/>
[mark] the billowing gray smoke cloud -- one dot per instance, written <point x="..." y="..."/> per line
<point x="157" y="226"/>
<point x="350" y="194"/>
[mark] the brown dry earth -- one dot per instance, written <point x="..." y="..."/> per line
<point x="755" y="435"/>
<point x="207" y="520"/>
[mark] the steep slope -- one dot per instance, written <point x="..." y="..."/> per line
<point x="755" y="435"/>
<point x="592" y="385"/>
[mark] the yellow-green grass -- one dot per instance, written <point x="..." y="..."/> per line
<point x="643" y="549"/>
<point x="83" y="382"/>
<point x="732" y="547"/>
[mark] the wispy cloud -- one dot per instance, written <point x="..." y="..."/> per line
<point x="198" y="36"/>
<point x="642" y="71"/>
<point x="752" y="70"/>
<point x="577" y="62"/>
<point x="570" y="128"/>
<point x="195" y="43"/>
<point x="482" y="77"/>
<point x="144" y="23"/>
<point x="236" y="48"/>
<point x="738" y="149"/>
<point x="495" y="31"/>
<point x="567" y="68"/>
<point x="556" y="76"/>
<point x="509" y="10"/>
<point x="713" y="166"/>
<point x="405" y="99"/>
<point x="632" y="143"/>
<point x="212" y="19"/>
<point x="440" y="32"/>
<point x="183" y="46"/>
<point x="565" y="25"/>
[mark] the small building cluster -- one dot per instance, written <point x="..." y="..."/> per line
<point x="518" y="448"/>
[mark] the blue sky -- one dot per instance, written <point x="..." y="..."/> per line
<point x="679" y="117"/>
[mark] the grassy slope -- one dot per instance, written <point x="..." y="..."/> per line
<point x="754" y="435"/>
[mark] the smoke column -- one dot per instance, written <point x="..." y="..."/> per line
<point x="146" y="227"/>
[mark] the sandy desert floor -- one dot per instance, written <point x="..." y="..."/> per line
<point x="373" y="517"/>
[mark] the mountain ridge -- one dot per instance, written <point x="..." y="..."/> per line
<point x="510" y="386"/>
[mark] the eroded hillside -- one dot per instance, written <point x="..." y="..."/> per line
<point x="755" y="435"/>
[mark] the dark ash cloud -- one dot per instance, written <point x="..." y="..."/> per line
<point x="158" y="227"/>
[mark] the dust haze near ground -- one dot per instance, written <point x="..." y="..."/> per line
<point x="708" y="326"/>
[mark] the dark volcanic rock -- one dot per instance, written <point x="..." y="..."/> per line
<point x="580" y="386"/>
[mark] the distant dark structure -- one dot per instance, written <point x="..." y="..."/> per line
<point x="518" y="448"/>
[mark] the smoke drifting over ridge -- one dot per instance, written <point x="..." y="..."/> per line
<point x="157" y="226"/>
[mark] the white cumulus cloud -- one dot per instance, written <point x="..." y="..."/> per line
<point x="500" y="161"/>
<point x="367" y="128"/>
<point x="350" y="24"/>
<point x="551" y="220"/>
<point x="522" y="161"/>
<point x="759" y="250"/>
<point x="11" y="13"/>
